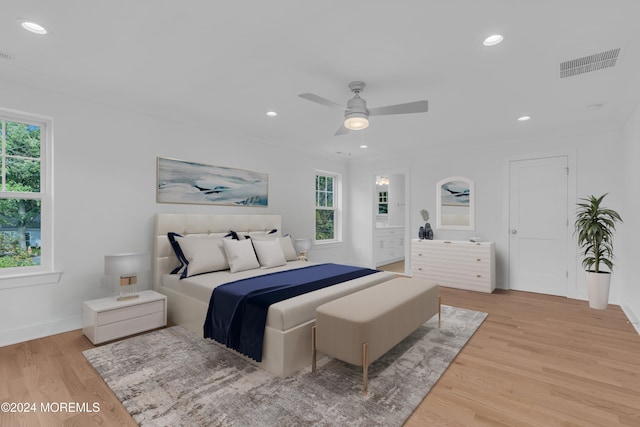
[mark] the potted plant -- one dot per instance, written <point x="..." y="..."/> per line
<point x="594" y="227"/>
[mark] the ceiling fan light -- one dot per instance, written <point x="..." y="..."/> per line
<point x="356" y="121"/>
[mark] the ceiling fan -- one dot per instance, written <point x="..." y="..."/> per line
<point x="356" y="114"/>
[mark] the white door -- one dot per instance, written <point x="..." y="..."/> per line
<point x="538" y="225"/>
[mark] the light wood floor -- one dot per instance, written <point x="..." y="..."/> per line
<point x="395" y="267"/>
<point x="537" y="360"/>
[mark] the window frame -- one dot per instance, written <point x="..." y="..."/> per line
<point x="337" y="207"/>
<point x="383" y="200"/>
<point x="12" y="277"/>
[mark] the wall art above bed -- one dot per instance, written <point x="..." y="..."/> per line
<point x="189" y="182"/>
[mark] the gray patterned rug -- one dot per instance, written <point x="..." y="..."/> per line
<point x="172" y="377"/>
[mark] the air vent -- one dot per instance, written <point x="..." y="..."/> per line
<point x="589" y="63"/>
<point x="5" y="56"/>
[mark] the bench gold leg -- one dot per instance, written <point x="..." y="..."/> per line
<point x="439" y="311"/>
<point x="313" y="349"/>
<point x="365" y="368"/>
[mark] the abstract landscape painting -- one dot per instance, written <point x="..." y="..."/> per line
<point x="188" y="182"/>
<point x="455" y="193"/>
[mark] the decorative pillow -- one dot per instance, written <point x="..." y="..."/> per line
<point x="285" y="242"/>
<point x="176" y="248"/>
<point x="269" y="253"/>
<point x="203" y="254"/>
<point x="240" y="255"/>
<point x="288" y="249"/>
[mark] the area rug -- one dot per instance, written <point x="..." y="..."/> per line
<point x="172" y="377"/>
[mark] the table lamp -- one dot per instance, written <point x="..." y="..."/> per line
<point x="302" y="247"/>
<point x="127" y="266"/>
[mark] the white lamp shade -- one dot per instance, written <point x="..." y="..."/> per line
<point x="126" y="264"/>
<point x="302" y="245"/>
<point x="356" y="121"/>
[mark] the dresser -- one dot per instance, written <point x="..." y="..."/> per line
<point x="455" y="264"/>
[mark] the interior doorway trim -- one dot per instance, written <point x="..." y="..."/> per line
<point x="407" y="213"/>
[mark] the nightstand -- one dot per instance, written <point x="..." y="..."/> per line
<point x="106" y="319"/>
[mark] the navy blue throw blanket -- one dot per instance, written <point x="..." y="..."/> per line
<point x="238" y="310"/>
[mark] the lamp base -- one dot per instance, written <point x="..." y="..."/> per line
<point x="127" y="297"/>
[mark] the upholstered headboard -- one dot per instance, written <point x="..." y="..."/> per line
<point x="164" y="259"/>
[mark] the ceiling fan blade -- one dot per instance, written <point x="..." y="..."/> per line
<point x="320" y="100"/>
<point x="409" y="107"/>
<point x="342" y="131"/>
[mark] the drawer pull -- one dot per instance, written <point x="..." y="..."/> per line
<point x="446" y="241"/>
<point x="478" y="275"/>
<point x="478" y="259"/>
<point x="419" y="254"/>
<point x="419" y="268"/>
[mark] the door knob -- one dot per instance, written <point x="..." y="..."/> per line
<point x="514" y="231"/>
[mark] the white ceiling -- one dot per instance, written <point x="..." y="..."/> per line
<point x="225" y="64"/>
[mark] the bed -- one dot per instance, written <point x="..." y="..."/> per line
<point x="287" y="334"/>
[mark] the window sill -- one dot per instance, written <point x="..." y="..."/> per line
<point x="318" y="244"/>
<point x="32" y="279"/>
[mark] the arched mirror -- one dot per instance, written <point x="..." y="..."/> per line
<point x="455" y="203"/>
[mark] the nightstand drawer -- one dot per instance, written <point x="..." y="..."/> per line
<point x="130" y="312"/>
<point x="130" y="326"/>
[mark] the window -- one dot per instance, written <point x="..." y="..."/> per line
<point x="383" y="203"/>
<point x="25" y="195"/>
<point x="327" y="207"/>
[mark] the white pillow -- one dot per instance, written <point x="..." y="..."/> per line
<point x="240" y="255"/>
<point x="204" y="254"/>
<point x="269" y="253"/>
<point x="287" y="248"/>
<point x="285" y="242"/>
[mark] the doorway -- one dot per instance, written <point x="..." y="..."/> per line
<point x="389" y="208"/>
<point x="538" y="225"/>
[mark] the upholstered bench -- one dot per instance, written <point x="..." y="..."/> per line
<point x="361" y="327"/>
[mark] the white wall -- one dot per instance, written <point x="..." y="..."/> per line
<point x="104" y="186"/>
<point x="628" y="236"/>
<point x="598" y="159"/>
<point x="104" y="197"/>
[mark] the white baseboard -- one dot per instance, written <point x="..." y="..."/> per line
<point x="633" y="318"/>
<point x="40" y="330"/>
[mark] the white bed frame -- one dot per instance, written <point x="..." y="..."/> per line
<point x="284" y="352"/>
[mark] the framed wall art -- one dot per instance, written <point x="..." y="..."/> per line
<point x="179" y="181"/>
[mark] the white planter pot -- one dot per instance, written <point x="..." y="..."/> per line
<point x="598" y="289"/>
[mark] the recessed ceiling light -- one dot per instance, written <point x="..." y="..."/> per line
<point x="271" y="113"/>
<point x="33" y="27"/>
<point x="363" y="146"/>
<point x="493" y="40"/>
<point x="523" y="118"/>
